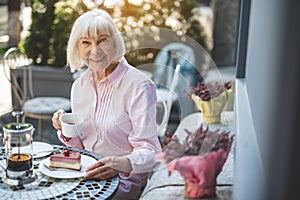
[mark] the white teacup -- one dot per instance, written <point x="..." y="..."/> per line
<point x="68" y="125"/>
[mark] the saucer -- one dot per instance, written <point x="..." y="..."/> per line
<point x="39" y="149"/>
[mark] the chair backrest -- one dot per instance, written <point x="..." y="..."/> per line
<point x="176" y="81"/>
<point x="165" y="98"/>
<point x="166" y="61"/>
<point x="162" y="116"/>
<point x="14" y="58"/>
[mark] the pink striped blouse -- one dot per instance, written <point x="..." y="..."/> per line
<point x="118" y="117"/>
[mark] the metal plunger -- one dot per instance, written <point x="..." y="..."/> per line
<point x="17" y="114"/>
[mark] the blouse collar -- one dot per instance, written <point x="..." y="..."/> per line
<point x="114" y="78"/>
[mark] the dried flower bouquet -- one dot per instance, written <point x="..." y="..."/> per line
<point x="210" y="99"/>
<point x="199" y="159"/>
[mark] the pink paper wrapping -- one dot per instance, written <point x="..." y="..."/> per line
<point x="199" y="172"/>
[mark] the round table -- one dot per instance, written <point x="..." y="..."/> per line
<point x="45" y="187"/>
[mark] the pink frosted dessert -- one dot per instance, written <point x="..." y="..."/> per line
<point x="68" y="160"/>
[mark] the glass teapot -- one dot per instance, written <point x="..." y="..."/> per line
<point x="18" y="151"/>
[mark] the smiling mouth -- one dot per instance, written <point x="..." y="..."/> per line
<point x="96" y="59"/>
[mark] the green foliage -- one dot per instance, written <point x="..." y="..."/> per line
<point x="37" y="44"/>
<point x="157" y="13"/>
<point x="65" y="15"/>
<point x="2" y="51"/>
<point x="52" y="21"/>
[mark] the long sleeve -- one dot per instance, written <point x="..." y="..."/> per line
<point x="143" y="137"/>
<point x="74" y="142"/>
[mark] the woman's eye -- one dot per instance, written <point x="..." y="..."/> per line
<point x="102" y="40"/>
<point x="85" y="42"/>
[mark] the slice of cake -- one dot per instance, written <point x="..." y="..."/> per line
<point x="69" y="160"/>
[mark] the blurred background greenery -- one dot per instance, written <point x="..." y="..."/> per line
<point x="51" y="21"/>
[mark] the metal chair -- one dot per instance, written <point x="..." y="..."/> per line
<point x="165" y="99"/>
<point x="174" y="72"/>
<point x="34" y="107"/>
<point x="162" y="116"/>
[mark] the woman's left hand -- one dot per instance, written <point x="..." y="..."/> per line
<point x="108" y="167"/>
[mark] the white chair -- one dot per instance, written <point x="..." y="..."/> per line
<point x="166" y="93"/>
<point x="165" y="99"/>
<point x="34" y="107"/>
<point x="162" y="116"/>
<point x="174" y="72"/>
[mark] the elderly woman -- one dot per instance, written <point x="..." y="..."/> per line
<point x="114" y="105"/>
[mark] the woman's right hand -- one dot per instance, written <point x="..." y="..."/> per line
<point x="55" y="119"/>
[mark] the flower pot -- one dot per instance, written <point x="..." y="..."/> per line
<point x="200" y="172"/>
<point x="192" y="190"/>
<point x="212" y="109"/>
<point x="199" y="167"/>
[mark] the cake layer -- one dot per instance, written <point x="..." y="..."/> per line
<point x="65" y="160"/>
<point x="70" y="155"/>
<point x="54" y="164"/>
<point x="70" y="160"/>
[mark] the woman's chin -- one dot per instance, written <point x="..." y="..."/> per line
<point x="98" y="65"/>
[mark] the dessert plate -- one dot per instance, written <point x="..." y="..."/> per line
<point x="39" y="149"/>
<point x="66" y="173"/>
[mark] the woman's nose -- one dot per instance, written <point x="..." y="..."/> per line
<point x="96" y="49"/>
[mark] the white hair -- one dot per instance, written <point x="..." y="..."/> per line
<point x="92" y="24"/>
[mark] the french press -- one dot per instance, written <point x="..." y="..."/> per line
<point x="17" y="140"/>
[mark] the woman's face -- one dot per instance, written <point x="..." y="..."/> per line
<point x="97" y="53"/>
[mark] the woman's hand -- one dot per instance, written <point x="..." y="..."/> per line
<point x="55" y="119"/>
<point x="108" y="167"/>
